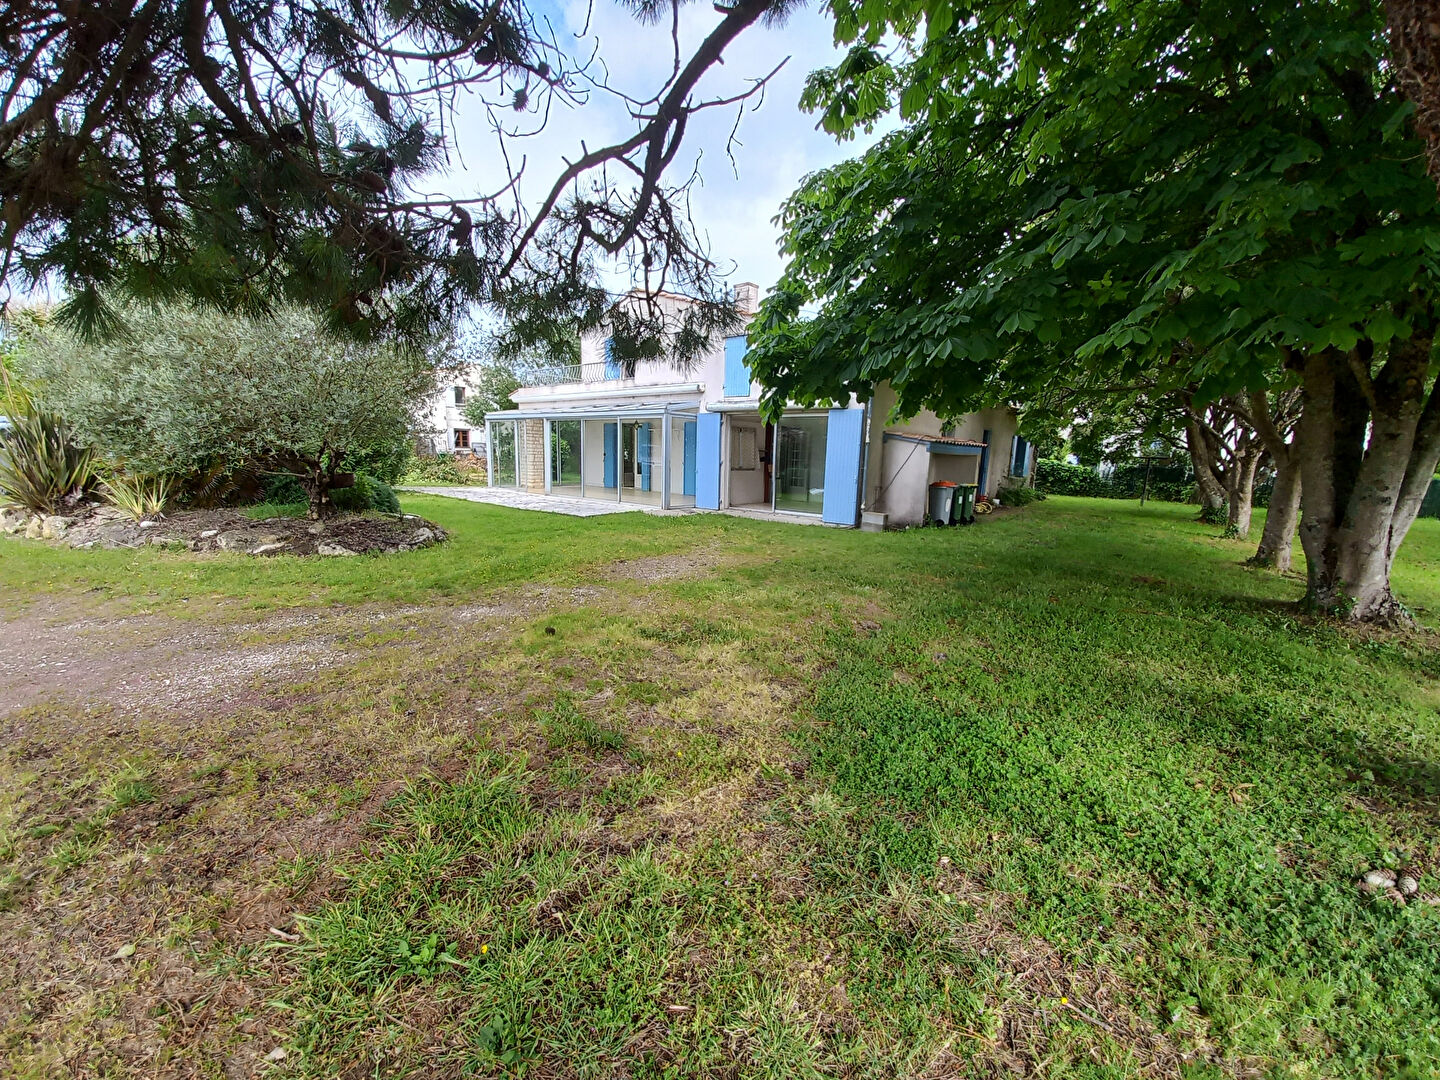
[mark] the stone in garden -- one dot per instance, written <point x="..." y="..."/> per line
<point x="333" y="549"/>
<point x="1380" y="879"/>
<point x="206" y="534"/>
<point x="34" y="528"/>
<point x="270" y="548"/>
<point x="1408" y="886"/>
<point x="54" y="527"/>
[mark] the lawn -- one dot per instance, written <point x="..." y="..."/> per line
<point x="1071" y="793"/>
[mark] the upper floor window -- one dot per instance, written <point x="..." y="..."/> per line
<point x="613" y="370"/>
<point x="1019" y="457"/>
<point x="459" y="395"/>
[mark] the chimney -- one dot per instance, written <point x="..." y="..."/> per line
<point x="747" y="297"/>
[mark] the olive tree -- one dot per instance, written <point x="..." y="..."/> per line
<point x="179" y="388"/>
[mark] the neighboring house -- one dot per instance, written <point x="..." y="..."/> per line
<point x="672" y="438"/>
<point x="444" y="427"/>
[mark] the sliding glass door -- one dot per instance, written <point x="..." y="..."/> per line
<point x="565" y="443"/>
<point x="800" y="464"/>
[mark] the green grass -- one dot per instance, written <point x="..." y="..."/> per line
<point x="491" y="546"/>
<point x="1072" y="793"/>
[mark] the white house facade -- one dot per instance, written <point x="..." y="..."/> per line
<point x="671" y="438"/>
<point x="442" y="422"/>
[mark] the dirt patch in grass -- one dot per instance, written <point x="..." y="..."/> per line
<point x="657" y="568"/>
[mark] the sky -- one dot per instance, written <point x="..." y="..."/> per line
<point x="734" y="202"/>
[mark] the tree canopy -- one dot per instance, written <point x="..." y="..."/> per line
<point x="248" y="153"/>
<point x="1089" y="195"/>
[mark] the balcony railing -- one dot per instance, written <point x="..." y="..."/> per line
<point x="596" y="372"/>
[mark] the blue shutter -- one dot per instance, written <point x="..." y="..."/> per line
<point x="643" y="453"/>
<point x="737" y="372"/>
<point x="611" y="439"/>
<point x="688" y="484"/>
<point x="707" y="461"/>
<point x="843" y="437"/>
<point x="984" y="488"/>
<point x="612" y="366"/>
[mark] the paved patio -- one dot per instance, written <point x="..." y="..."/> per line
<point x="548" y="504"/>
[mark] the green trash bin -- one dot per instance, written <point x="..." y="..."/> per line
<point x="965" y="504"/>
<point x="942" y="503"/>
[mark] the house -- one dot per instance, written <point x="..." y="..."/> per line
<point x="445" y="430"/>
<point x="696" y="438"/>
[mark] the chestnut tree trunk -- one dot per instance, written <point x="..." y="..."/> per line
<point x="1367" y="448"/>
<point x="1274" y="427"/>
<point x="1240" y="488"/>
<point x="1205" y="461"/>
<point x="1278" y="537"/>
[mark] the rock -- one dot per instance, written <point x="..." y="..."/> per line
<point x="1396" y="895"/>
<point x="316" y="529"/>
<point x="206" y="534"/>
<point x="269" y="549"/>
<point x="233" y="542"/>
<point x="333" y="549"/>
<point x="34" y="529"/>
<point x="54" y="527"/>
<point x="278" y="1054"/>
<point x="148" y="524"/>
<point x="1380" y="879"/>
<point x="1408" y="886"/>
<point x="13" y="521"/>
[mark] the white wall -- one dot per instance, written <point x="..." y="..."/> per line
<point x="593" y="440"/>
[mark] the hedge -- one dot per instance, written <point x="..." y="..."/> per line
<point x="1168" y="483"/>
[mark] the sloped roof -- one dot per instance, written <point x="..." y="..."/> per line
<point x="945" y="440"/>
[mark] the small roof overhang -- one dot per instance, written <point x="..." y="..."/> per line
<point x="939" y="444"/>
<point x="630" y="411"/>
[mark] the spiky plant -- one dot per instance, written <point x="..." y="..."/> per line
<point x="139" y="496"/>
<point x="40" y="465"/>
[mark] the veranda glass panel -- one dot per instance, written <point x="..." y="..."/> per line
<point x="599" y="459"/>
<point x="502" y="436"/>
<point x="640" y="463"/>
<point x="800" y="464"/>
<point x="565" y="457"/>
<point x="530" y="454"/>
<point x="682" y="460"/>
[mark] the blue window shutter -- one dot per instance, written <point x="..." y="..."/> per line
<point x="707" y="461"/>
<point x="841" y="504"/>
<point x="612" y="366"/>
<point x="985" y="463"/>
<point x="737" y="372"/>
<point x="643" y="453"/>
<point x="688" y="486"/>
<point x="611" y="440"/>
